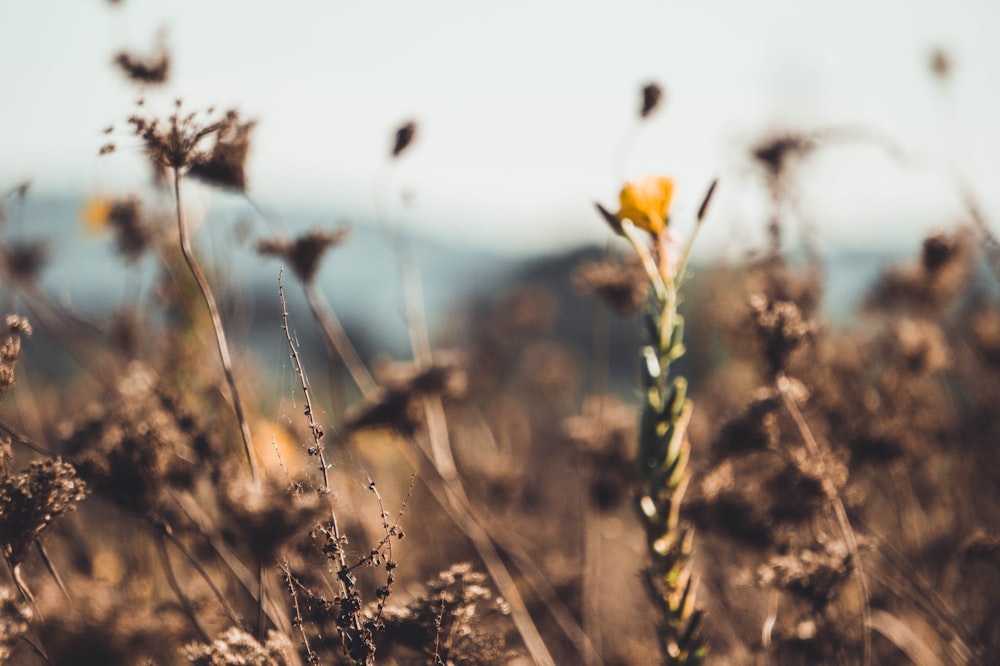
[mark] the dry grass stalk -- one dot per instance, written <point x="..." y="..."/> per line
<point x="177" y="145"/>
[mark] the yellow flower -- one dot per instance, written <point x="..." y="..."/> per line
<point x="95" y="213"/>
<point x="646" y="203"/>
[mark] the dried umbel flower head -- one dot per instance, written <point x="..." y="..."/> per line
<point x="148" y="70"/>
<point x="10" y="350"/>
<point x="755" y="496"/>
<point x="450" y="621"/>
<point x="23" y="261"/>
<point x="399" y="405"/>
<point x="922" y="345"/>
<point x="933" y="283"/>
<point x="811" y="574"/>
<point x="305" y="252"/>
<point x="941" y="64"/>
<point x="777" y="152"/>
<point x="781" y="327"/>
<point x="404" y="138"/>
<point x="138" y="444"/>
<point x="235" y="647"/>
<point x="177" y="143"/>
<point x="30" y="501"/>
<point x="225" y="165"/>
<point x="652" y="95"/>
<point x="755" y="428"/>
<point x="264" y="517"/>
<point x="132" y="232"/>
<point x="623" y="286"/>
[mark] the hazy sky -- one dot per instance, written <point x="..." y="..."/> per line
<point x="524" y="106"/>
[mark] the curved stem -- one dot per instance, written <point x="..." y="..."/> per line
<point x="220" y="335"/>
<point x="182" y="598"/>
<point x="337" y="338"/>
<point x="168" y="533"/>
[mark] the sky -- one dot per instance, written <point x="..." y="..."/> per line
<point x="527" y="109"/>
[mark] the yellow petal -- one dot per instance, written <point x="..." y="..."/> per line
<point x="646" y="203"/>
<point x="95" y="213"/>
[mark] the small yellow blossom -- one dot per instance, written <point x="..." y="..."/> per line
<point x="646" y="203"/>
<point x="95" y="213"/>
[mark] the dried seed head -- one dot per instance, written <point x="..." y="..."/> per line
<point x="781" y="327"/>
<point x="29" y="502"/>
<point x="305" y="252"/>
<point x="922" y="345"/>
<point x="941" y="64"/>
<point x="176" y="143"/>
<point x="132" y="232"/>
<point x="225" y="165"/>
<point x="236" y="647"/>
<point x="755" y="428"/>
<point x="148" y="70"/>
<point x="623" y="287"/>
<point x="24" y="261"/>
<point x="264" y="517"/>
<point x="10" y="350"/>
<point x="138" y="444"/>
<point x="457" y="604"/>
<point x="399" y="403"/>
<point x="404" y="137"/>
<point x="939" y="250"/>
<point x="931" y="284"/>
<point x="775" y="153"/>
<point x="812" y="574"/>
<point x="652" y="96"/>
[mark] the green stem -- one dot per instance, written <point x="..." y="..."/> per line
<point x="663" y="458"/>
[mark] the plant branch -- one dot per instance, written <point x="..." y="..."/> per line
<point x="220" y="335"/>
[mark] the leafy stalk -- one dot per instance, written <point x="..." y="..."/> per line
<point x="664" y="449"/>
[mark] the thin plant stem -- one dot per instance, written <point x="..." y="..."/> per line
<point x="220" y="334"/>
<point x="22" y="587"/>
<point x="297" y="621"/>
<point x="182" y="598"/>
<point x="18" y="438"/>
<point x="318" y="448"/>
<point x="50" y="565"/>
<point x="837" y="505"/>
<point x="195" y="513"/>
<point x="444" y="464"/>
<point x="536" y="580"/>
<point x="36" y="649"/>
<point x="261" y="597"/>
<point x="167" y="532"/>
<point x="337" y="338"/>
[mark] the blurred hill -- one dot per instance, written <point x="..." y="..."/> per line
<point x="361" y="279"/>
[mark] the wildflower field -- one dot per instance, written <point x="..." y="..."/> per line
<point x="615" y="454"/>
